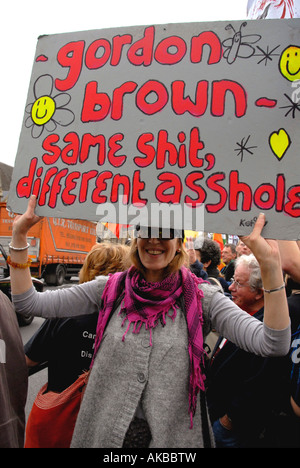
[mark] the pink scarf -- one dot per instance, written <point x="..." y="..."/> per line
<point x="149" y="303"/>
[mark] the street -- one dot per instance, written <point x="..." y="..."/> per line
<point x="37" y="380"/>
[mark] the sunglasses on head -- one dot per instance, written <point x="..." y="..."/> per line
<point x="148" y="232"/>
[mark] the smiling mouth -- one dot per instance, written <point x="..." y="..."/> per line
<point x="291" y="73"/>
<point x="154" y="252"/>
<point x="40" y="117"/>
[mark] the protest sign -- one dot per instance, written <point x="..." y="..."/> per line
<point x="191" y="125"/>
<point x="263" y="9"/>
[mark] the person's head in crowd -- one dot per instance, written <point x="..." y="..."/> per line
<point x="228" y="253"/>
<point x="167" y="247"/>
<point x="104" y="258"/>
<point x="210" y="255"/>
<point x="246" y="288"/>
<point x="242" y="249"/>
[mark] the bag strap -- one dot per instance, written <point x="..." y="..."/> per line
<point x="203" y="406"/>
<point x="204" y="419"/>
<point x="115" y="306"/>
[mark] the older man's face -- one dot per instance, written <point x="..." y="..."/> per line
<point x="227" y="255"/>
<point x="242" y="295"/>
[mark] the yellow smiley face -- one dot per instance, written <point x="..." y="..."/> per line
<point x="42" y="110"/>
<point x="289" y="63"/>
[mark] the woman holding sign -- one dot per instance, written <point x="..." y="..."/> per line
<point x="147" y="371"/>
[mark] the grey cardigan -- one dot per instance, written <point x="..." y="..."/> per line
<point x="131" y="374"/>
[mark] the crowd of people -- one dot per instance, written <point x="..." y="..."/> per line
<point x="150" y="378"/>
<point x="145" y="376"/>
<point x="251" y="398"/>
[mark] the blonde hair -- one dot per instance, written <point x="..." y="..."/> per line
<point x="181" y="258"/>
<point x="104" y="258"/>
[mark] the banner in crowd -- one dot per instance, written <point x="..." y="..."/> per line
<point x="266" y="9"/>
<point x="191" y="125"/>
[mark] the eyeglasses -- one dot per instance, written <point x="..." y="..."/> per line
<point x="238" y="285"/>
<point x="148" y="232"/>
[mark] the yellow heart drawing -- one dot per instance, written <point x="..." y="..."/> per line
<point x="279" y="143"/>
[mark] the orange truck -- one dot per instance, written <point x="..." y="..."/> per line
<point x="58" y="246"/>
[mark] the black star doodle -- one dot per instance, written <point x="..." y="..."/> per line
<point x="293" y="107"/>
<point x="266" y="54"/>
<point x="242" y="147"/>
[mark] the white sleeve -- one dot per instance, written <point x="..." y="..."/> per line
<point x="77" y="300"/>
<point x="245" y="331"/>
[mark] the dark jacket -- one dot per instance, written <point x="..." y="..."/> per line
<point x="250" y="389"/>
<point x="13" y="378"/>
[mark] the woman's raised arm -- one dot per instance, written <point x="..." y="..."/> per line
<point x="18" y="258"/>
<point x="266" y="251"/>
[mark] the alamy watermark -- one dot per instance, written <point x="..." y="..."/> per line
<point x="295" y="351"/>
<point x="296" y="92"/>
<point x="154" y="215"/>
<point x="2" y="352"/>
